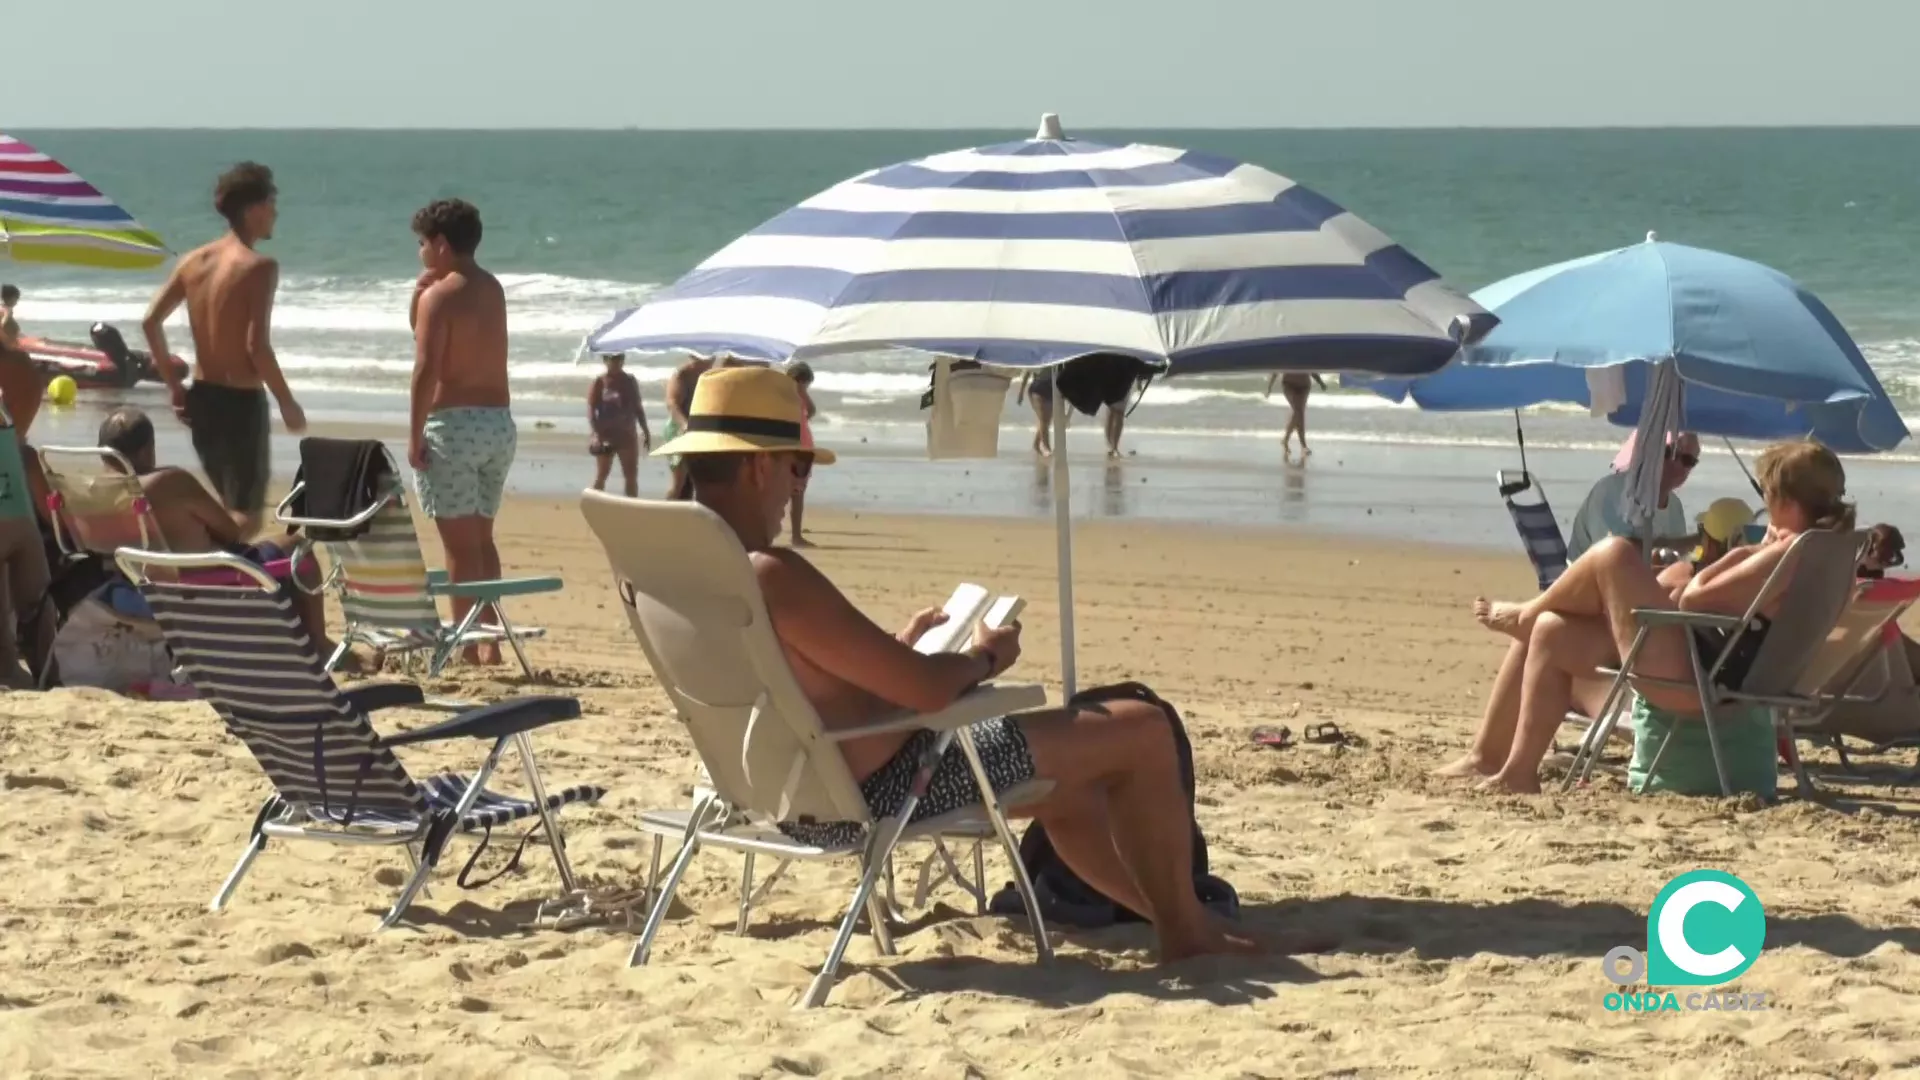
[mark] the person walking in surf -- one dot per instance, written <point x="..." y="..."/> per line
<point x="1295" y="387"/>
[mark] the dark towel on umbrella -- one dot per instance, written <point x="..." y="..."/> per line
<point x="338" y="480"/>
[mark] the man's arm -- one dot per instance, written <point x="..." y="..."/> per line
<point x="9" y="334"/>
<point x="593" y="401"/>
<point x="165" y="303"/>
<point x="815" y="620"/>
<point x="429" y="353"/>
<point x="640" y="410"/>
<point x="265" y="283"/>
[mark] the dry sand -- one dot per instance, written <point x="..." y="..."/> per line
<point x="1472" y="926"/>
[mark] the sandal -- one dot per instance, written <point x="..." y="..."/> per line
<point x="1274" y="738"/>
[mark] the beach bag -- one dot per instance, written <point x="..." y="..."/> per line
<point x="101" y="647"/>
<point x="1746" y="740"/>
<point x="964" y="406"/>
<point x="1068" y="901"/>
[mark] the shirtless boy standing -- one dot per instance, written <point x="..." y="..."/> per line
<point x="462" y="439"/>
<point x="680" y="387"/>
<point x="228" y="288"/>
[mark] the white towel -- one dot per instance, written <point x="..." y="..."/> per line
<point x="1606" y="389"/>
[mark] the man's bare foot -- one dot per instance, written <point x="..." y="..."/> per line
<point x="801" y="542"/>
<point x="1501" y="784"/>
<point x="1500" y="617"/>
<point x="1304" y="452"/>
<point x="361" y="660"/>
<point x="1467" y="768"/>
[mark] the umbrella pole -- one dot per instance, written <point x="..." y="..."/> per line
<point x="1743" y="468"/>
<point x="1063" y="537"/>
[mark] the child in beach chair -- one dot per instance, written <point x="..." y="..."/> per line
<point x="347" y="502"/>
<point x="335" y="779"/>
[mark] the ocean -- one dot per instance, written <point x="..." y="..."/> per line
<point x="580" y="224"/>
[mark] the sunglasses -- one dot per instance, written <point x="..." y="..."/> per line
<point x="1686" y="461"/>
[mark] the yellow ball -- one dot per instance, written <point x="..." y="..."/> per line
<point x="62" y="390"/>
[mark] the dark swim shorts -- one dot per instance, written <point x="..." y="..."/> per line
<point x="230" y="434"/>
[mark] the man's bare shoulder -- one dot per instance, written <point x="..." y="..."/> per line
<point x="788" y="580"/>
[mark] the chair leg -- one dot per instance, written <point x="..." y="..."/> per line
<point x="1042" y="947"/>
<point x="653" y="867"/>
<point x="822" y="984"/>
<point x="415" y="885"/>
<point x="644" y="947"/>
<point x="1800" y="776"/>
<point x="980" y="878"/>
<point x="549" y="820"/>
<point x="413" y="861"/>
<point x="256" y="842"/>
<point x="513" y="639"/>
<point x="252" y="852"/>
<point x="746" y="896"/>
<point x="879" y="925"/>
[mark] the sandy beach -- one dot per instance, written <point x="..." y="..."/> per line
<point x="1471" y="927"/>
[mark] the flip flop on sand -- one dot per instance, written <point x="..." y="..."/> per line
<point x="1326" y="734"/>
<point x="1275" y="738"/>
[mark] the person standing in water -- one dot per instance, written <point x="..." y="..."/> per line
<point x="1295" y="387"/>
<point x="228" y="288"/>
<point x="802" y="374"/>
<point x="1038" y="390"/>
<point x="679" y="399"/>
<point x="461" y="437"/>
<point x="619" y="422"/>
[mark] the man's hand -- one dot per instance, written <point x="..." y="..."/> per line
<point x="1002" y="646"/>
<point x="177" y="395"/>
<point x="294" y="417"/>
<point x="646" y="442"/>
<point x="921" y="622"/>
<point x="417" y="452"/>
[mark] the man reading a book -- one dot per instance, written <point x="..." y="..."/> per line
<point x="1117" y="813"/>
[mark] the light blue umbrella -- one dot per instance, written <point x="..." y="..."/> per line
<point x="1759" y="357"/>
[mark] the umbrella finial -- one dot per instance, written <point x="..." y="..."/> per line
<point x="1652" y="236"/>
<point x="1050" y="129"/>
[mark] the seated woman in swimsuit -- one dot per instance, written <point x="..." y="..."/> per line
<point x="1585" y="620"/>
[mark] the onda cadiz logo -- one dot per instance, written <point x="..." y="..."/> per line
<point x="1706" y="928"/>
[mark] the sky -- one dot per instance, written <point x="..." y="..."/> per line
<point x="977" y="64"/>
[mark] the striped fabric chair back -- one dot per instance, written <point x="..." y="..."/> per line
<point x="247" y="654"/>
<point x="384" y="575"/>
<point x="1539" y="532"/>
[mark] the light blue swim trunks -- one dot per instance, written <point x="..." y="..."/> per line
<point x="469" y="451"/>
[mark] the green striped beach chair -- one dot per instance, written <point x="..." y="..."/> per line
<point x="391" y="599"/>
<point x="335" y="779"/>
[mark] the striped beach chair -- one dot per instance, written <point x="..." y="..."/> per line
<point x="390" y="597"/>
<point x="1546" y="548"/>
<point x="335" y="779"/>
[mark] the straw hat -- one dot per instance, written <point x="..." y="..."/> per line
<point x="745" y="410"/>
<point x="1725" y="518"/>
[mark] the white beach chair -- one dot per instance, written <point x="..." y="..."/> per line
<point x="1815" y="585"/>
<point x="696" y="609"/>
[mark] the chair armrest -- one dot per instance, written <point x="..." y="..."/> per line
<point x="1703" y="620"/>
<point x="377" y="696"/>
<point x="496" y="721"/>
<point x="439" y="585"/>
<point x="983" y="702"/>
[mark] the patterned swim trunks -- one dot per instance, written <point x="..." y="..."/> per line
<point x="1003" y="752"/>
<point x="469" y="451"/>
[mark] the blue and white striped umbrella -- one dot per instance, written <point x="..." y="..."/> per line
<point x="1032" y="253"/>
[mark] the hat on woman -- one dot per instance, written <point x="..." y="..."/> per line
<point x="745" y="410"/>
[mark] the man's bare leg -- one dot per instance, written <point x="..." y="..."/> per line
<point x="630" y="469"/>
<point x="489" y="571"/>
<point x="602" y="466"/>
<point x="1123" y="753"/>
<point x="467" y="540"/>
<point x="1494" y="739"/>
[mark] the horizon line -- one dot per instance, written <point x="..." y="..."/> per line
<point x="810" y="129"/>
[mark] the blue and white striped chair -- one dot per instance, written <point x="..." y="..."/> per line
<point x="1539" y="531"/>
<point x="335" y="779"/>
